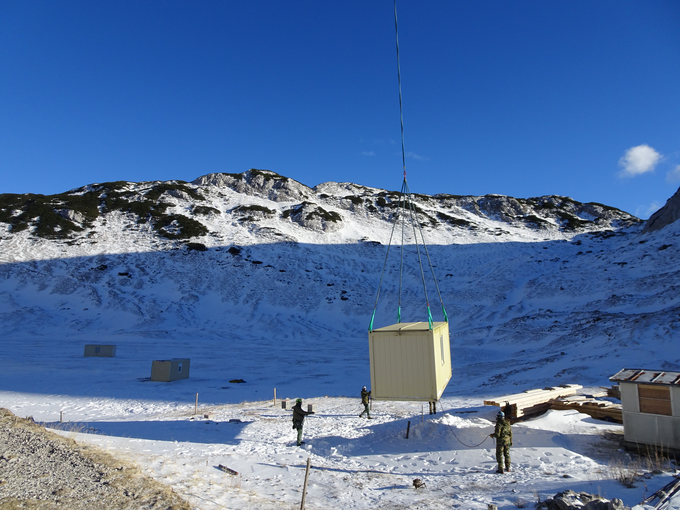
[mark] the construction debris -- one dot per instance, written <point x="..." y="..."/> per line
<point x="532" y="402"/>
<point x="227" y="470"/>
<point x="663" y="496"/>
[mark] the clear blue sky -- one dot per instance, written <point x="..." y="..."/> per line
<point x="524" y="98"/>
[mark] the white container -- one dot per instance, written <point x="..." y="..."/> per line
<point x="409" y="361"/>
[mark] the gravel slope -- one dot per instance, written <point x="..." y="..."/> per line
<point x="39" y="469"/>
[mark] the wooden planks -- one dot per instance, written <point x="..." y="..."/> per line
<point x="533" y="402"/>
<point x="598" y="409"/>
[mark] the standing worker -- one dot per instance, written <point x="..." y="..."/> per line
<point x="365" y="395"/>
<point x="503" y="436"/>
<point x="298" y="418"/>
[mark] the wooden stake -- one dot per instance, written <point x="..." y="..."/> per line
<point x="422" y="413"/>
<point x="304" y="488"/>
<point x="408" y="427"/>
<point x="61" y="416"/>
<point x="274" y="397"/>
<point x="196" y="408"/>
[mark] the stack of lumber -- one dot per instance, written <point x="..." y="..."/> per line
<point x="533" y="402"/>
<point x="598" y="409"/>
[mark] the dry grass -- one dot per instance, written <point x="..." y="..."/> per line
<point x="626" y="473"/>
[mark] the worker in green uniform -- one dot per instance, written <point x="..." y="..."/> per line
<point x="503" y="436"/>
<point x="298" y="418"/>
<point x="365" y="395"/>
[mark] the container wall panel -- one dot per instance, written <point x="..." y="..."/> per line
<point x="639" y="428"/>
<point x="675" y="401"/>
<point x="669" y="432"/>
<point x="406" y="361"/>
<point x="629" y="397"/>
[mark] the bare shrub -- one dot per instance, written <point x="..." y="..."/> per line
<point x="626" y="473"/>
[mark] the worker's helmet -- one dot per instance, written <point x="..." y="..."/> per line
<point x="298" y="401"/>
<point x="500" y="415"/>
<point x="364" y="388"/>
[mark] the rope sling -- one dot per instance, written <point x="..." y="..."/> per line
<point x="406" y="210"/>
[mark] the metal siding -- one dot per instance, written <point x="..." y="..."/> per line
<point x="639" y="428"/>
<point x="629" y="397"/>
<point x="675" y="401"/>
<point x="668" y="432"/>
<point x="403" y="359"/>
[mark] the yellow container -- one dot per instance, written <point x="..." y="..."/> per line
<point x="409" y="361"/>
<point x="101" y="351"/>
<point x="170" y="369"/>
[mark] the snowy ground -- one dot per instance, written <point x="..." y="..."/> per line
<point x="528" y="308"/>
<point x="356" y="463"/>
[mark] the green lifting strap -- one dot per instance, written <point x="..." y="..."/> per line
<point x="399" y="315"/>
<point x="370" y="326"/>
<point x="429" y="317"/>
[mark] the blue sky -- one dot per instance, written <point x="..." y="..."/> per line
<point x="522" y="98"/>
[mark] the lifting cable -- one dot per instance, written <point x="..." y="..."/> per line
<point x="405" y="205"/>
<point x="454" y="434"/>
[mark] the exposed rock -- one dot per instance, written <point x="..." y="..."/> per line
<point x="570" y="500"/>
<point x="72" y="215"/>
<point x="664" y="216"/>
<point x="260" y="183"/>
<point x="313" y="217"/>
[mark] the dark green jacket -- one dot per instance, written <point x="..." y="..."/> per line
<point x="503" y="432"/>
<point x="364" y="396"/>
<point x="299" y="413"/>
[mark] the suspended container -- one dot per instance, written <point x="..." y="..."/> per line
<point x="410" y="361"/>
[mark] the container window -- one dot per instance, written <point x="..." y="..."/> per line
<point x="441" y="345"/>
<point x="655" y="399"/>
<point x="179" y="367"/>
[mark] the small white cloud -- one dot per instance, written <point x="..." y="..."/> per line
<point x="413" y="155"/>
<point x="368" y="153"/>
<point x="644" y="212"/>
<point x="673" y="175"/>
<point x="638" y="160"/>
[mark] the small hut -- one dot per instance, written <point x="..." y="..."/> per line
<point x="101" y="351"/>
<point x="410" y="361"/>
<point x="170" y="369"/>
<point x="651" y="407"/>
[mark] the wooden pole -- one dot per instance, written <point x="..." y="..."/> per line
<point x="61" y="416"/>
<point x="408" y="427"/>
<point x="274" y="397"/>
<point x="196" y="407"/>
<point x="304" y="488"/>
<point x="422" y="412"/>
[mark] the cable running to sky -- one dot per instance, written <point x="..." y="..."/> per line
<point x="405" y="205"/>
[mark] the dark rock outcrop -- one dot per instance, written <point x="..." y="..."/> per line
<point x="664" y="216"/>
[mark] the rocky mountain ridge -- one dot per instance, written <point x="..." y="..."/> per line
<point x="232" y="260"/>
<point x="175" y="210"/>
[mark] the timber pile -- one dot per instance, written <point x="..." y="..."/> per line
<point x="533" y="402"/>
<point x="598" y="409"/>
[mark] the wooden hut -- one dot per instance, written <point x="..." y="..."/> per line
<point x="651" y="407"/>
<point x="170" y="369"/>
<point x="410" y="361"/>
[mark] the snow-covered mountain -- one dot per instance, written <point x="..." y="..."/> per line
<point x="215" y="268"/>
